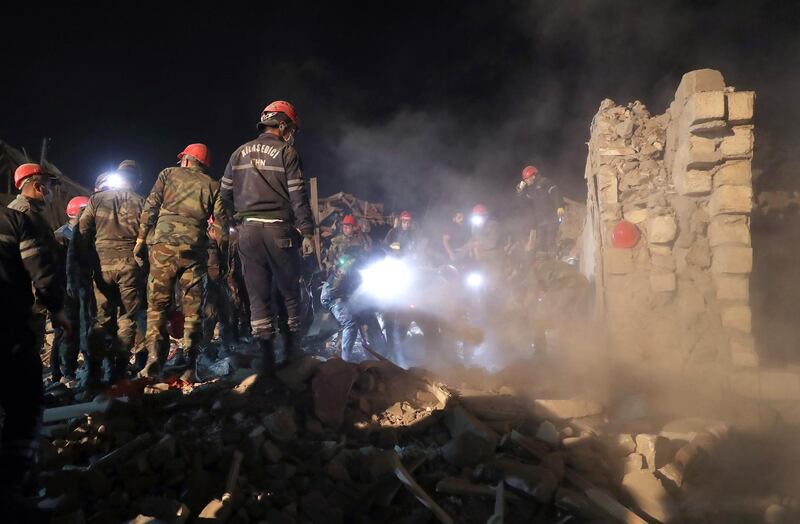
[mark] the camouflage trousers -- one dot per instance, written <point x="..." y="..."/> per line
<point x="171" y="265"/>
<point x="217" y="308"/>
<point x="117" y="291"/>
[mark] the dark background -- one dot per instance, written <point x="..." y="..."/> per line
<point x="418" y="104"/>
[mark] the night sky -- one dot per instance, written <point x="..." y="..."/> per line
<point x="414" y="103"/>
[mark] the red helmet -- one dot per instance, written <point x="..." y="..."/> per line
<point x="480" y="210"/>
<point x="27" y="170"/>
<point x="75" y="205"/>
<point x="198" y="151"/>
<point x="529" y="172"/>
<point x="405" y="215"/>
<point x="625" y="235"/>
<point x="349" y="220"/>
<point x="278" y="106"/>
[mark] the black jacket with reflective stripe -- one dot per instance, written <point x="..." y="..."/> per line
<point x="24" y="258"/>
<point x="264" y="179"/>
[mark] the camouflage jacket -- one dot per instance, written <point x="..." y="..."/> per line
<point x="109" y="224"/>
<point x="341" y="243"/>
<point x="178" y="208"/>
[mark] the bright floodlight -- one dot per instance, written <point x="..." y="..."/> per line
<point x="478" y="220"/>
<point x="115" y="181"/>
<point x="475" y="280"/>
<point x="386" y="279"/>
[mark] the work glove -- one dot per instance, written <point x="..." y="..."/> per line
<point x="560" y="212"/>
<point x="139" y="252"/>
<point x="520" y="187"/>
<point x="308" y="245"/>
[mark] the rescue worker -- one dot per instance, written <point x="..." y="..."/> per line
<point x="217" y="308"/>
<point x="24" y="260"/>
<point x="64" y="360"/>
<point x="557" y="295"/>
<point x="107" y="231"/>
<point x="350" y="237"/>
<point x="401" y="239"/>
<point x="455" y="238"/>
<point x="177" y="211"/>
<point x="36" y="185"/>
<point x="486" y="242"/>
<point x="337" y="291"/>
<point x="547" y="208"/>
<point x="264" y="185"/>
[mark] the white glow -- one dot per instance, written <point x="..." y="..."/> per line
<point x="477" y="220"/>
<point x="474" y="280"/>
<point x="386" y="280"/>
<point x="115" y="181"/>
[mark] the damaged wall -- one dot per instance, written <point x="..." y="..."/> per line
<point x="681" y="294"/>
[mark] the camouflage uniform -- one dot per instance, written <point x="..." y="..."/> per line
<point x="107" y="231"/>
<point x="177" y="211"/>
<point x="217" y="306"/>
<point x="342" y="243"/>
<point x="35" y="210"/>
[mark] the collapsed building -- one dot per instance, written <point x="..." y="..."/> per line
<point x="667" y="242"/>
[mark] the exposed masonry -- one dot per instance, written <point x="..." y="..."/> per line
<point x="684" y="179"/>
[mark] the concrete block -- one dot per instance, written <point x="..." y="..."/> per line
<point x="738" y="318"/>
<point x="619" y="261"/>
<point x="562" y="409"/>
<point x="699" y="80"/>
<point x="731" y="200"/>
<point x="728" y="229"/>
<point x="692" y="182"/>
<point x="732" y="287"/>
<point x="635" y="216"/>
<point x="649" y="494"/>
<point x="743" y="351"/>
<point x="739" y="144"/>
<point x="705" y="106"/>
<point x="663" y="282"/>
<point x="737" y="173"/>
<point x="661" y="230"/>
<point x="740" y="106"/>
<point x="690" y="157"/>
<point x="732" y="259"/>
<point x="779" y="385"/>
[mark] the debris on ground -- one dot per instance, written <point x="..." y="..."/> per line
<point x="331" y="441"/>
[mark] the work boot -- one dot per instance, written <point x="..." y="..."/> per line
<point x="93" y="380"/>
<point x="190" y="374"/>
<point x="119" y="368"/>
<point x="267" y="350"/>
<point x="292" y="348"/>
<point x="152" y="369"/>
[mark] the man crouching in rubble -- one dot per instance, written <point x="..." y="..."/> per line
<point x="337" y="291"/>
<point x="23" y="259"/>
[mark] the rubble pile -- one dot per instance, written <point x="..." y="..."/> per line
<point x="337" y="442"/>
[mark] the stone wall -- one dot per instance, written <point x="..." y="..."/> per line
<point x="683" y="178"/>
